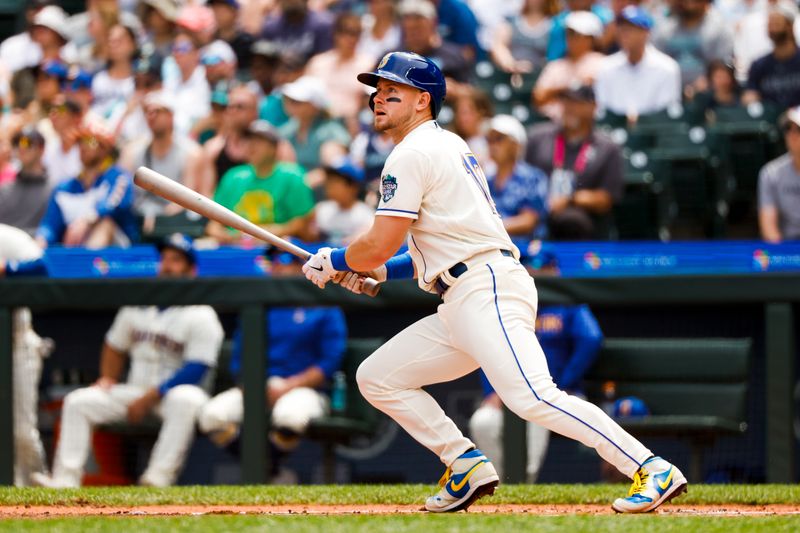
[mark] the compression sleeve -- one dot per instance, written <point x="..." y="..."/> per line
<point x="400" y="267"/>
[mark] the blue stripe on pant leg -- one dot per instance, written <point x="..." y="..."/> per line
<point x="500" y="318"/>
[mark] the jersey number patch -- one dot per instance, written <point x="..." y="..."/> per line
<point x="474" y="169"/>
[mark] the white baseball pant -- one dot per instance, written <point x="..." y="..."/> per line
<point x="486" y="430"/>
<point x="487" y="321"/>
<point x="28" y="351"/>
<point x="85" y="408"/>
<point x="293" y="411"/>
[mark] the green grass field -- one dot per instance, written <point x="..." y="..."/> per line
<point x="396" y="494"/>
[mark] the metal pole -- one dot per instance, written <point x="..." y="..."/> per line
<point x="255" y="452"/>
<point x="780" y="354"/>
<point x="6" y="399"/>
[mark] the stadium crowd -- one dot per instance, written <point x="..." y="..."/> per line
<point x="255" y="103"/>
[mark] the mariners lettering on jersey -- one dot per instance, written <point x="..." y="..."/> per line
<point x="159" y="340"/>
<point x="388" y="187"/>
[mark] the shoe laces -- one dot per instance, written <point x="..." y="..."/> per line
<point x="445" y="477"/>
<point x="639" y="482"/>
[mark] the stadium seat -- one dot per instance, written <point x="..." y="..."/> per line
<point x="693" y="388"/>
<point x="192" y="226"/>
<point x="646" y="207"/>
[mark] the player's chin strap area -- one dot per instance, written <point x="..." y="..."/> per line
<point x="448" y="277"/>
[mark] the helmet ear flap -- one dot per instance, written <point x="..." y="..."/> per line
<point x="372" y="100"/>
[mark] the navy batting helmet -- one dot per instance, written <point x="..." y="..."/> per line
<point x="410" y="69"/>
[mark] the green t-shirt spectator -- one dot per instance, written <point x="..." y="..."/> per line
<point x="323" y="130"/>
<point x="274" y="199"/>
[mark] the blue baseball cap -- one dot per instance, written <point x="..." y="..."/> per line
<point x="637" y="16"/>
<point x="346" y="167"/>
<point x="180" y="243"/>
<point x="54" y="69"/>
<point x="77" y="79"/>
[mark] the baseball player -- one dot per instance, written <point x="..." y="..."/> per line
<point x="434" y="192"/>
<point x="20" y="255"/>
<point x="171" y="350"/>
<point x="305" y="349"/>
<point x="571" y="339"/>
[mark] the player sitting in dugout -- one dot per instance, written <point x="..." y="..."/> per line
<point x="305" y="349"/>
<point x="170" y="350"/>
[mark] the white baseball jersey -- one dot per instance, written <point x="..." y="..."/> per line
<point x="434" y="178"/>
<point x="159" y="342"/>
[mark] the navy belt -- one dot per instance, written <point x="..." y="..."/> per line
<point x="440" y="286"/>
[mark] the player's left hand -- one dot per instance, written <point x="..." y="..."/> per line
<point x="142" y="406"/>
<point x="319" y="269"/>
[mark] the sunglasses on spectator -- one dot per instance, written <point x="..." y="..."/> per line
<point x="89" y="142"/>
<point x="26" y="142"/>
<point x="790" y="127"/>
<point x="182" y="48"/>
<point x="239" y="106"/>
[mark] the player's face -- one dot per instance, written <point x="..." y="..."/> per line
<point x="174" y="264"/>
<point x="395" y="104"/>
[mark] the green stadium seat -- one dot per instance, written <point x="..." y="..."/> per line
<point x="694" y="388"/>
<point x="646" y="207"/>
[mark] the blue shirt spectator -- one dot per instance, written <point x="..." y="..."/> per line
<point x="526" y="188"/>
<point x="557" y="48"/>
<point x="109" y="196"/>
<point x="571" y="340"/>
<point x="458" y="25"/>
<point x="300" y="338"/>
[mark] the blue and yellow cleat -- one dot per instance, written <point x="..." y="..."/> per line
<point x="656" y="482"/>
<point x="470" y="477"/>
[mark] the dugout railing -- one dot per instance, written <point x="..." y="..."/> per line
<point x="778" y="293"/>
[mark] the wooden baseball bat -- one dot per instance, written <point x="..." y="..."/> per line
<point x="173" y="191"/>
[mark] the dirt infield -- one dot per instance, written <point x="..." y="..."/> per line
<point x="53" y="511"/>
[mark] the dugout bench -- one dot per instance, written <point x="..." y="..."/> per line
<point x="695" y="389"/>
<point x="358" y="420"/>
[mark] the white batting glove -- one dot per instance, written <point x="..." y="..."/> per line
<point x="354" y="281"/>
<point x="319" y="269"/>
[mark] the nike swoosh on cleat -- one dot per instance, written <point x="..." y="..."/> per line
<point x="665" y="484"/>
<point x="455" y="487"/>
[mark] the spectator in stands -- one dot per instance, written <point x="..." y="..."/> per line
<point x="519" y="190"/>
<point x="639" y="79"/>
<point x="113" y="86"/>
<point x="229" y="147"/>
<point x="78" y="88"/>
<point x="226" y="13"/>
<point x="94" y="209"/>
<point x="381" y="29"/>
<point x="49" y="77"/>
<point x="264" y="60"/>
<point x="94" y="54"/>
<point x="170" y="351"/>
<point x="779" y="186"/>
<point x="130" y="122"/>
<point x="164" y="150"/>
<point x="305" y="350"/>
<point x="20" y="51"/>
<point x="296" y="27"/>
<point x="774" y="78"/>
<point x="342" y="216"/>
<point x="289" y="69"/>
<point x="520" y="44"/>
<point x="158" y="18"/>
<point x="585" y="169"/>
<point x="472" y="110"/>
<point x="198" y="22"/>
<point x="724" y="89"/>
<point x="694" y="36"/>
<point x="571" y="340"/>
<point x="266" y="192"/>
<point x="219" y="61"/>
<point x="557" y="47"/>
<point x="420" y="35"/>
<point x="458" y="25"/>
<point x="49" y="31"/>
<point x="188" y="85"/>
<point x="338" y="67"/>
<point x="581" y="63"/>
<point x="315" y="137"/>
<point x="62" y="158"/>
<point x="751" y="37"/>
<point x="8" y="171"/>
<point x="23" y="201"/>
